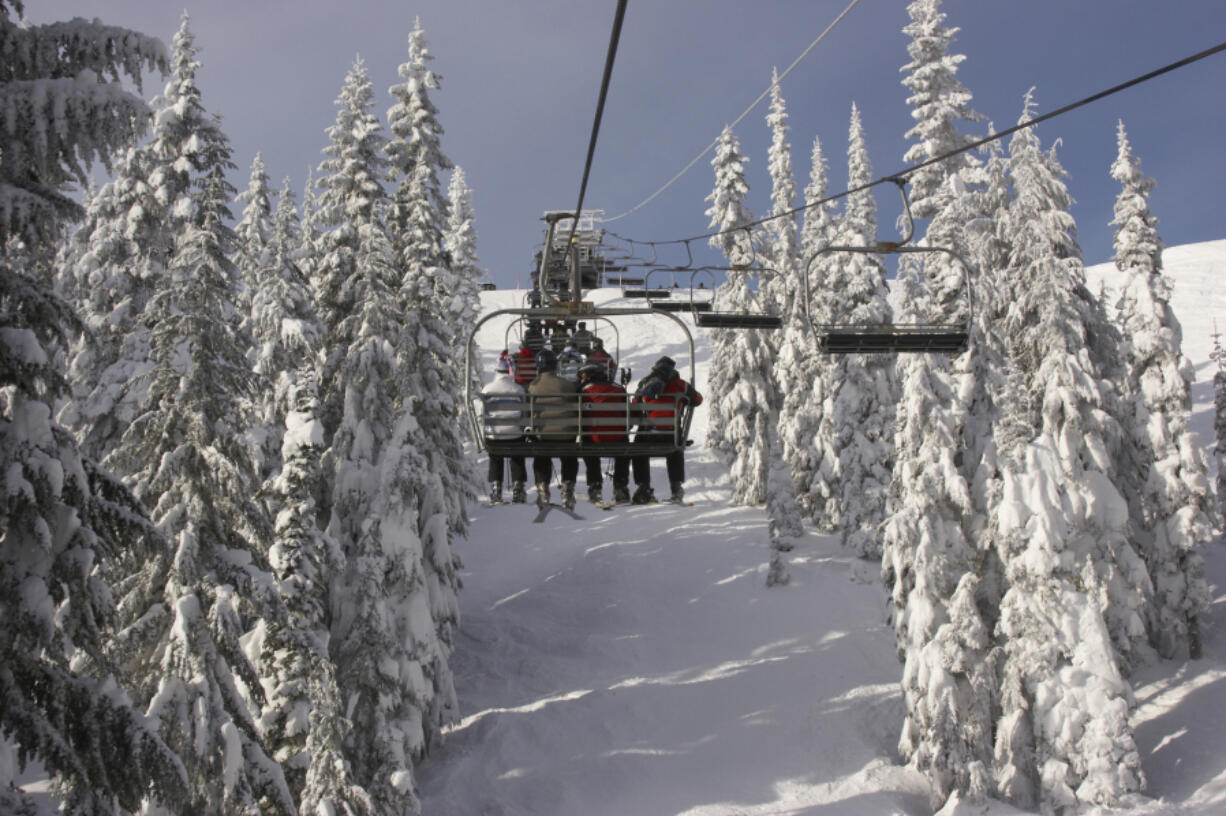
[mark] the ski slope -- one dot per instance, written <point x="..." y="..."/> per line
<point x="635" y="662"/>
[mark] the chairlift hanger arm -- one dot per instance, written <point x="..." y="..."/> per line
<point x="889" y="337"/>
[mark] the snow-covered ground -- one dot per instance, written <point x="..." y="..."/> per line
<point x="635" y="662"/>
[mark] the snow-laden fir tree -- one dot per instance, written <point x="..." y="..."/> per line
<point x="863" y="402"/>
<point x="109" y="268"/>
<point x="805" y="376"/>
<point x="796" y="365"/>
<point x="381" y="592"/>
<point x="302" y="720"/>
<point x="430" y="474"/>
<point x="986" y="361"/>
<point x="119" y="257"/>
<point x="929" y="565"/>
<point x="432" y="295"/>
<point x="461" y="245"/>
<point x="282" y="326"/>
<point x="1072" y="610"/>
<point x="777" y="276"/>
<point x="254" y="232"/>
<point x="1175" y="505"/>
<point x="781" y="294"/>
<point x="66" y="525"/>
<point x="350" y="193"/>
<point x="188" y="460"/>
<point x="731" y="190"/>
<point x="930" y="569"/>
<point x="379" y="640"/>
<point x="1218" y="355"/>
<point x="1050" y="322"/>
<point x="741" y="380"/>
<point x="783" y="520"/>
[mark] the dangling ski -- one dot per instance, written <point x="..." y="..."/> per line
<point x="545" y="508"/>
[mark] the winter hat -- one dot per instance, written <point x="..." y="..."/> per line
<point x="503" y="366"/>
<point x="546" y="360"/>
<point x="664" y="365"/>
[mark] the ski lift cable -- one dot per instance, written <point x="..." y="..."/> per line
<point x="903" y="175"/>
<point x="739" y="119"/>
<point x="614" y="37"/>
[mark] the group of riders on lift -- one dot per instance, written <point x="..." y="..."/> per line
<point x="583" y="370"/>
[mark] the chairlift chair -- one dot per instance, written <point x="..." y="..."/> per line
<point x="641" y="440"/>
<point x="891" y="338"/>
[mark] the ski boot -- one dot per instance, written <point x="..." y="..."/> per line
<point x="568" y="495"/>
<point x="518" y="494"/>
<point x="542" y="494"/>
<point x="678" y="494"/>
<point x="621" y="494"/>
<point x="495" y="492"/>
<point x="595" y="493"/>
<point x="643" y="494"/>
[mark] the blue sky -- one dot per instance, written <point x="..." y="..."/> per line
<point x="520" y="82"/>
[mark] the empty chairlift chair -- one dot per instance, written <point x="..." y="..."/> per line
<point x="891" y="338"/>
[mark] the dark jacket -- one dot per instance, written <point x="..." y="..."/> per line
<point x="661" y="394"/>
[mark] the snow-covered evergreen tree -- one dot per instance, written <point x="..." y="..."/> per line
<point x="380" y="642"/>
<point x="1050" y="319"/>
<point x="431" y="294"/>
<point x="783" y="520"/>
<point x="119" y="257"/>
<point x="283" y="328"/>
<point x="351" y="196"/>
<point x="777" y="278"/>
<point x="863" y="403"/>
<point x="302" y="720"/>
<point x="806" y="377"/>
<point x="741" y="383"/>
<point x="1071" y="613"/>
<point x="929" y="565"/>
<point x="254" y="232"/>
<point x="189" y="462"/>
<point x="430" y="474"/>
<point x="1174" y="493"/>
<point x="109" y="268"/>
<point x="930" y="570"/>
<point x="461" y="244"/>
<point x="65" y="525"/>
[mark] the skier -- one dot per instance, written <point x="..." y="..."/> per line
<point x="534" y="337"/>
<point x="599" y="355"/>
<point x="504" y="419"/>
<point x="602" y="425"/>
<point x="569" y="363"/>
<point x="582" y="338"/>
<point x="524" y="364"/>
<point x="555" y="417"/>
<point x="661" y="393"/>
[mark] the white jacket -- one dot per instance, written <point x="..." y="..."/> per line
<point x="505" y="402"/>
